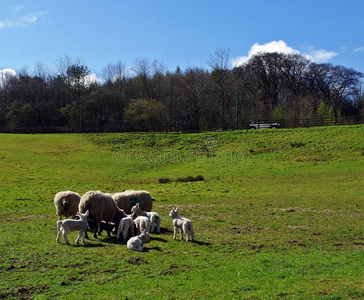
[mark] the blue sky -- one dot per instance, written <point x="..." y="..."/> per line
<point x="177" y="33"/>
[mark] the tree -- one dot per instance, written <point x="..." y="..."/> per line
<point x="144" y="115"/>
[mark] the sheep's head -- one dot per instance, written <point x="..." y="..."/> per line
<point x="83" y="216"/>
<point x="174" y="212"/>
<point x="134" y="208"/>
<point x="146" y="236"/>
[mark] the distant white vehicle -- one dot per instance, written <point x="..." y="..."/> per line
<point x="259" y="124"/>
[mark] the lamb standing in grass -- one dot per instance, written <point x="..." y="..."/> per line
<point x="66" y="204"/>
<point x="142" y="223"/>
<point x="184" y="224"/>
<point x="127" y="199"/>
<point x="124" y="226"/>
<point x="63" y="227"/>
<point x="136" y="242"/>
<point x="155" y="219"/>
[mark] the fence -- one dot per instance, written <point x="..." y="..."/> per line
<point x="289" y="123"/>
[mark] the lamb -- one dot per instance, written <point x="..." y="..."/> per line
<point x="101" y="208"/>
<point x="63" y="227"/>
<point x="124" y="226"/>
<point x="136" y="242"/>
<point x="66" y="204"/>
<point x="184" y="224"/>
<point x="142" y="223"/>
<point x="127" y="199"/>
<point x="155" y="219"/>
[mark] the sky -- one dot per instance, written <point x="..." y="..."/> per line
<point x="177" y="33"/>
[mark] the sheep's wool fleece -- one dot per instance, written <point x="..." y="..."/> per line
<point x="101" y="207"/>
<point x="127" y="199"/>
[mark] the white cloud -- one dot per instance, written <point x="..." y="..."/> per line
<point x="274" y="46"/>
<point x="320" y="55"/>
<point x="91" y="78"/>
<point x="5" y="75"/>
<point x="359" y="49"/>
<point x="281" y="47"/>
<point x="23" y="21"/>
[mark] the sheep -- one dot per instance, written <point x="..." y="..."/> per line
<point x="127" y="199"/>
<point x="63" y="227"/>
<point x="184" y="224"/>
<point x="124" y="226"/>
<point x="101" y="208"/>
<point x="142" y="222"/>
<point x="66" y="204"/>
<point x="155" y="219"/>
<point x="136" y="242"/>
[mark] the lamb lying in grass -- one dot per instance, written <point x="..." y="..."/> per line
<point x="155" y="219"/>
<point x="65" y="226"/>
<point x="124" y="226"/>
<point x="136" y="243"/>
<point x="184" y="224"/>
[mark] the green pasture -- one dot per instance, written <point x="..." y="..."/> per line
<point x="278" y="215"/>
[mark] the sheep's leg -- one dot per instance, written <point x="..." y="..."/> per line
<point x="126" y="230"/>
<point x="58" y="234"/>
<point x="174" y="232"/>
<point x="148" y="228"/>
<point x="158" y="223"/>
<point x="119" y="233"/>
<point x="78" y="237"/>
<point x="181" y="234"/>
<point x="95" y="230"/>
<point x="99" y="229"/>
<point x="132" y="230"/>
<point x="83" y="237"/>
<point x="64" y="233"/>
<point x="152" y="227"/>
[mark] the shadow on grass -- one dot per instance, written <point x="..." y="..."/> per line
<point x="89" y="245"/>
<point x="158" y="239"/>
<point x="152" y="248"/>
<point x="201" y="243"/>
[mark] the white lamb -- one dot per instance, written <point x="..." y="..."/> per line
<point x="65" y="226"/>
<point x="155" y="219"/>
<point x="142" y="223"/>
<point x="184" y="224"/>
<point x="136" y="242"/>
<point x="124" y="226"/>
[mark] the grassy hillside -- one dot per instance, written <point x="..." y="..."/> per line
<point x="279" y="214"/>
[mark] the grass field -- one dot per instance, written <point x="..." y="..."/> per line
<point x="278" y="215"/>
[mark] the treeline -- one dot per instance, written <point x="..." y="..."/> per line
<point x="270" y="86"/>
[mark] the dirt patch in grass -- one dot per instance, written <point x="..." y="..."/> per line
<point x="297" y="209"/>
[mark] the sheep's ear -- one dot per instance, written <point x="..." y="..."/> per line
<point x="86" y="213"/>
<point x="137" y="205"/>
<point x="176" y="209"/>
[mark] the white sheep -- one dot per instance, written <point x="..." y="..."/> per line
<point x="136" y="242"/>
<point x="101" y="207"/>
<point x="155" y="219"/>
<point x="184" y="224"/>
<point x="127" y="199"/>
<point x="66" y="204"/>
<point x="124" y="226"/>
<point x="142" y="223"/>
<point x="65" y="226"/>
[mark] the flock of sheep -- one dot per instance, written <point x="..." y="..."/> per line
<point x="119" y="212"/>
